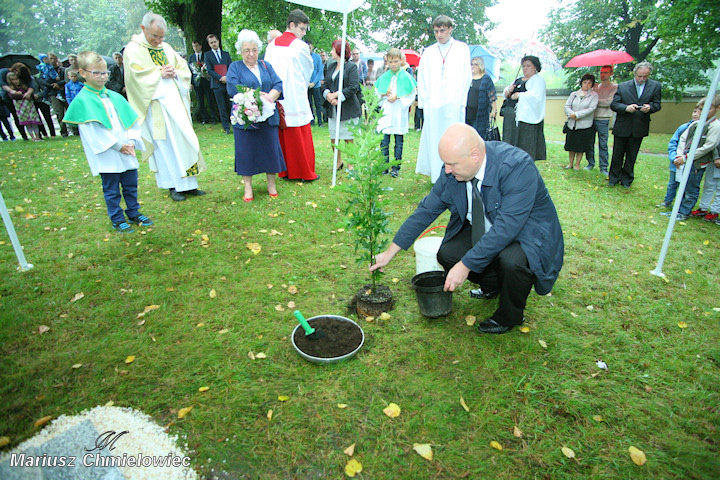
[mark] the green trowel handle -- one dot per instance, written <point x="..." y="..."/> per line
<point x="308" y="329"/>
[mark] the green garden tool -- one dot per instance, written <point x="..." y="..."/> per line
<point x="310" y="332"/>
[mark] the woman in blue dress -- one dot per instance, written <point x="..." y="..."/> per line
<point x="257" y="146"/>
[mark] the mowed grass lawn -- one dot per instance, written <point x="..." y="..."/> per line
<point x="533" y="393"/>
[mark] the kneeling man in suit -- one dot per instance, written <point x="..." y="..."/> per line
<point x="503" y="234"/>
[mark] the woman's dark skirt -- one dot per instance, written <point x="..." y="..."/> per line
<point x="257" y="150"/>
<point x="580" y="140"/>
<point x="531" y="138"/>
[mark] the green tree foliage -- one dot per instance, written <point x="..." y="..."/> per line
<point x="680" y="37"/>
<point x="406" y="23"/>
<point x="68" y="26"/>
<point x="196" y="18"/>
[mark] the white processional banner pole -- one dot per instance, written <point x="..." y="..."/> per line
<point x="24" y="265"/>
<point x="685" y="174"/>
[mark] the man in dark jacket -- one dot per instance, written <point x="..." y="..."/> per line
<point x="634" y="101"/>
<point x="503" y="234"/>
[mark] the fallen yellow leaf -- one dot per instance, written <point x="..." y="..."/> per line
<point x="4" y="441"/>
<point x="385" y="316"/>
<point x="203" y="389"/>
<point x="260" y="355"/>
<point x="353" y="467"/>
<point x="283" y="398"/>
<point x="141" y="323"/>
<point x="568" y="452"/>
<point x="254" y="247"/>
<point x="496" y="445"/>
<point x="542" y="343"/>
<point x="43" y="328"/>
<point x="349" y="450"/>
<point x="130" y="359"/>
<point x="291" y="305"/>
<point x="517" y="432"/>
<point x="370" y="319"/>
<point x="464" y="405"/>
<point x="251" y="355"/>
<point x="77" y="365"/>
<point x="392" y="410"/>
<point x="147" y="309"/>
<point x="706" y="242"/>
<point x="524" y="329"/>
<point x="598" y="418"/>
<point x="212" y="293"/>
<point x="279" y="308"/>
<point x="42" y="421"/>
<point x="688" y="271"/>
<point x="470" y="320"/>
<point x="77" y="297"/>
<point x="682" y="324"/>
<point x="184" y="411"/>
<point x="637" y="455"/>
<point x="342" y="405"/>
<point x="269" y="414"/>
<point x="198" y="232"/>
<point x="395" y="280"/>
<point x="424" y="450"/>
<point x="292" y="289"/>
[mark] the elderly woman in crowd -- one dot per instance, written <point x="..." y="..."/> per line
<point x="257" y="146"/>
<point x="527" y="97"/>
<point x="481" y="99"/>
<point x="580" y="132"/>
<point x="348" y="97"/>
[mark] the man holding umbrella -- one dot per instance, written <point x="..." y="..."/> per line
<point x="606" y="91"/>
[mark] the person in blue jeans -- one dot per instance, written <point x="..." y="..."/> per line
<point x="704" y="156"/>
<point x="601" y="119"/>
<point x="672" y="153"/>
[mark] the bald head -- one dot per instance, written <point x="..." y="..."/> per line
<point x="462" y="150"/>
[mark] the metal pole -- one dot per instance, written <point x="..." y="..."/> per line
<point x="24" y="266"/>
<point x="685" y="174"/>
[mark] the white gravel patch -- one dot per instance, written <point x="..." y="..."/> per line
<point x="145" y="440"/>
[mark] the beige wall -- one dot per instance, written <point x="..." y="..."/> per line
<point x="670" y="116"/>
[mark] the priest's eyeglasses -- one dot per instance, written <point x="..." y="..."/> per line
<point x="99" y="73"/>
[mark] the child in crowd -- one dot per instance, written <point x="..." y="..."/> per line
<point x="110" y="133"/>
<point x="709" y="208"/>
<point x="672" y="153"/>
<point x="48" y="75"/>
<point x="73" y="86"/>
<point x="25" y="105"/>
<point x="4" y="119"/>
<point x="396" y="89"/>
<point x="704" y="156"/>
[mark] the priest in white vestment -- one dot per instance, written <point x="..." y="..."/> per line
<point x="158" y="81"/>
<point x="290" y="58"/>
<point x="444" y="78"/>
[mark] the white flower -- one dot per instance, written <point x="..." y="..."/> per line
<point x="233" y="120"/>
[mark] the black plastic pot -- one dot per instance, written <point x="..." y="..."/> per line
<point x="432" y="301"/>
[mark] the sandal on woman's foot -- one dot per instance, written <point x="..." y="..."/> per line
<point x="274" y="195"/>
<point x="248" y="200"/>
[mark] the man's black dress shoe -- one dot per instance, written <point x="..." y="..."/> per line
<point x="177" y="196"/>
<point x="195" y="192"/>
<point x="478" y="293"/>
<point x="491" y="326"/>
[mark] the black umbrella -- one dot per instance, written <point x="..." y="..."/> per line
<point x="108" y="60"/>
<point x="10" y="59"/>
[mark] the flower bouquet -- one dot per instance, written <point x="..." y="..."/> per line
<point x="250" y="107"/>
<point x="199" y="70"/>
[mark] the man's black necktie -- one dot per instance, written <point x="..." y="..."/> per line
<point x="478" y="213"/>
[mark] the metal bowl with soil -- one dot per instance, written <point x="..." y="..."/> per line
<point x="342" y="340"/>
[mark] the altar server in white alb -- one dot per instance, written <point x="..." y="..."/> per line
<point x="444" y="78"/>
<point x="396" y="89"/>
<point x="291" y="59"/>
<point x="157" y="80"/>
<point x="110" y="133"/>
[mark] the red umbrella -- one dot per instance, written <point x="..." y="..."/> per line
<point x="411" y="56"/>
<point x="598" y="58"/>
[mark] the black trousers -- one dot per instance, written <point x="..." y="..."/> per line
<point x="622" y="166"/>
<point x="11" y="106"/>
<point x="223" y="103"/>
<point x="509" y="274"/>
<point x="44" y="109"/>
<point x="206" y="109"/>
